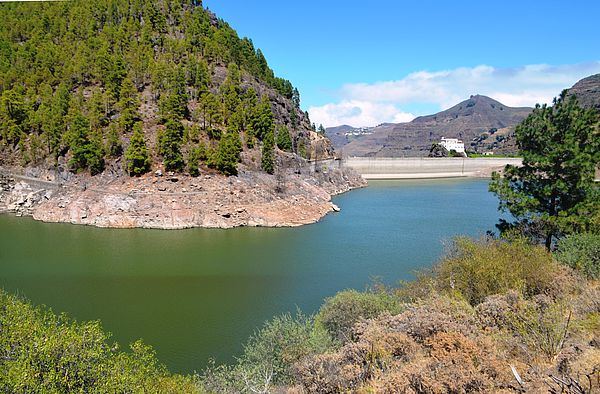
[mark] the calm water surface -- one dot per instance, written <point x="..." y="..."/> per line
<point x="199" y="293"/>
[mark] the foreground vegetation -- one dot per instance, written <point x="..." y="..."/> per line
<point x="41" y="352"/>
<point x="487" y="308"/>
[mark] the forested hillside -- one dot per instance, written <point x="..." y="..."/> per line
<point x="165" y="81"/>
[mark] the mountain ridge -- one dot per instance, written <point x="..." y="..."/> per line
<point x="473" y="120"/>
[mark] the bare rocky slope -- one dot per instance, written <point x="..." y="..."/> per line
<point x="587" y="91"/>
<point x="484" y="124"/>
<point x="294" y="196"/>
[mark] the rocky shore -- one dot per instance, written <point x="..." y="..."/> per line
<point x="172" y="201"/>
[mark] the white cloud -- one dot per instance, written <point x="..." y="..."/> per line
<point x="363" y="104"/>
<point x="357" y="113"/>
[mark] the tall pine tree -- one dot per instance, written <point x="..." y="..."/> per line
<point x="136" y="156"/>
<point x="553" y="193"/>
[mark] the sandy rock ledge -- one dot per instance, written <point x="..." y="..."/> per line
<point x="176" y="201"/>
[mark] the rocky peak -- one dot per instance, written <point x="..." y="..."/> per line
<point x="587" y="91"/>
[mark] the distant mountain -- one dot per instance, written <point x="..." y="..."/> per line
<point x="587" y="91"/>
<point x="484" y="124"/>
<point x="343" y="135"/>
<point x="337" y="135"/>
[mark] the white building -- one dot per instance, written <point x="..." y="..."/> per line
<point x="453" y="144"/>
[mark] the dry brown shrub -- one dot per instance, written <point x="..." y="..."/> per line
<point x="426" y="318"/>
<point x="588" y="300"/>
<point x="381" y="341"/>
<point x="328" y="373"/>
<point x="454" y="364"/>
<point x="492" y="314"/>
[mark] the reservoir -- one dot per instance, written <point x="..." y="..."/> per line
<point x="200" y="293"/>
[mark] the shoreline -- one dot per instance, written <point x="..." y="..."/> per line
<point x="173" y="202"/>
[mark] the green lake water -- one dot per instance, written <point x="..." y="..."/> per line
<point x="198" y="294"/>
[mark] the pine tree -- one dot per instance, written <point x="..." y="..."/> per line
<point x="172" y="106"/>
<point x="95" y="154"/>
<point x="228" y="153"/>
<point x="169" y="145"/>
<point x="210" y="111"/>
<point x="128" y="106"/>
<point x="268" y="153"/>
<point x="201" y="78"/>
<point x="86" y="151"/>
<point x="96" y="112"/>
<point x="296" y="98"/>
<point x="136" y="156"/>
<point x="13" y="115"/>
<point x="284" y="141"/>
<point x="262" y="119"/>
<point x="195" y="154"/>
<point x="230" y="91"/>
<point x="553" y="193"/>
<point x="114" y="147"/>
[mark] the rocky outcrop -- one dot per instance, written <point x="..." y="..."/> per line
<point x="293" y="197"/>
<point x="587" y="92"/>
<point x="21" y="197"/>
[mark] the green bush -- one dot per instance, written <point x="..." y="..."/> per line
<point x="476" y="269"/>
<point x="41" y="352"/>
<point x="541" y="326"/>
<point x="269" y="356"/>
<point x="284" y="341"/>
<point x="340" y="313"/>
<point x="581" y="252"/>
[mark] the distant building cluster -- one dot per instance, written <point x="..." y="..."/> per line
<point x="359" y="131"/>
<point x="453" y="144"/>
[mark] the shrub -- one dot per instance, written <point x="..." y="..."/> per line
<point x="493" y="313"/>
<point x="41" y="352"/>
<point x="269" y="356"/>
<point x="581" y="252"/>
<point x="340" y="313"/>
<point x="328" y="373"/>
<point x="426" y="318"/>
<point x="541" y="326"/>
<point x="387" y="355"/>
<point x="477" y="269"/>
<point x="284" y="341"/>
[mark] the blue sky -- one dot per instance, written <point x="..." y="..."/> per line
<point x="370" y="62"/>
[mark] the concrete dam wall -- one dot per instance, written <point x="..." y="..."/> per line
<point x="426" y="167"/>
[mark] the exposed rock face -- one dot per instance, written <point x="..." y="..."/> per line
<point x="587" y="92"/>
<point x="291" y="198"/>
<point x="21" y="195"/>
<point x="482" y="123"/>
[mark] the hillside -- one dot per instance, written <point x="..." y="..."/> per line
<point x="114" y="95"/>
<point x="587" y="91"/>
<point x="343" y="135"/>
<point x="482" y="123"/>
